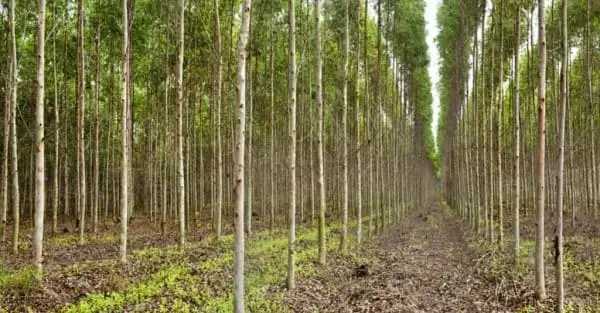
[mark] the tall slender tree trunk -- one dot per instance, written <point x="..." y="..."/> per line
<point x="357" y="121"/>
<point x="6" y="144"/>
<point x="517" y="177"/>
<point x="292" y="137"/>
<point x="272" y="120"/>
<point x="40" y="169"/>
<point x="250" y="111"/>
<point x="217" y="104"/>
<point x="539" y="246"/>
<point x="476" y="188"/>
<point x="164" y="160"/>
<point x="589" y="65"/>
<point x="250" y="122"/>
<point x="369" y="112"/>
<point x="81" y="177"/>
<point x="378" y="128"/>
<point x="484" y="140"/>
<point x="344" y="241"/>
<point x="491" y="133"/>
<point x="124" y="135"/>
<point x="561" y="162"/>
<point x="499" y="133"/>
<point x="238" y="303"/>
<point x="320" y="148"/>
<point x="95" y="201"/>
<point x="14" y="159"/>
<point x="56" y="168"/>
<point x="130" y="112"/>
<point x="179" y="105"/>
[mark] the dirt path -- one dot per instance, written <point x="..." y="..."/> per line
<point x="421" y="265"/>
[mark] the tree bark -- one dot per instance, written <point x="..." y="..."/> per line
<point x="499" y="133"/>
<point x="56" y="168"/>
<point x="14" y="159"/>
<point x="272" y="120"/>
<point x="95" y="201"/>
<point x="321" y="179"/>
<point x="217" y="104"/>
<point x="561" y="163"/>
<point x="6" y="144"/>
<point x="517" y="121"/>
<point x="179" y="105"/>
<point x="40" y="169"/>
<point x="541" y="155"/>
<point x="588" y="58"/>
<point x="344" y="241"/>
<point x="238" y="303"/>
<point x="292" y="139"/>
<point x="81" y="177"/>
<point x="124" y="135"/>
<point x="357" y="121"/>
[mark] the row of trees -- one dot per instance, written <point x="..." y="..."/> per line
<point x="358" y="142"/>
<point x="508" y="122"/>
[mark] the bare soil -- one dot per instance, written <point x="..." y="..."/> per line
<point x="425" y="264"/>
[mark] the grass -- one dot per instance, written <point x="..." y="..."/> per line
<point x="184" y="287"/>
<point x="174" y="277"/>
<point x="582" y="274"/>
<point x="23" y="279"/>
<point x="73" y="240"/>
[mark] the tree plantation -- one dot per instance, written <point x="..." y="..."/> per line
<point x="299" y="156"/>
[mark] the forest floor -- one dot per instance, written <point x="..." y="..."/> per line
<point x="422" y="265"/>
<point x="429" y="262"/>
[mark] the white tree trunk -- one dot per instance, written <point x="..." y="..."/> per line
<point x="539" y="246"/>
<point x="321" y="161"/>
<point x="238" y="302"/>
<point x="95" y="200"/>
<point x="358" y="147"/>
<point x="179" y="105"/>
<point x="81" y="177"/>
<point x="561" y="163"/>
<point x="40" y="170"/>
<point x="517" y="177"/>
<point x="14" y="159"/>
<point x="217" y="103"/>
<point x="4" y="173"/>
<point x="124" y="136"/>
<point x="292" y="138"/>
<point x="344" y="241"/>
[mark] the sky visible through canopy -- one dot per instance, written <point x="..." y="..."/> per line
<point x="432" y="31"/>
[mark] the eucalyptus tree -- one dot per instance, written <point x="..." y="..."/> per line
<point x="81" y="193"/>
<point x="344" y="240"/>
<point x="4" y="171"/>
<point x="217" y="104"/>
<point x="320" y="144"/>
<point x="499" y="116"/>
<point x="14" y="160"/>
<point x="357" y="122"/>
<point x="96" y="188"/>
<point x="40" y="169"/>
<point x="292" y="138"/>
<point x="56" y="167"/>
<point x="541" y="155"/>
<point x="124" y="133"/>
<point x="561" y="161"/>
<point x="179" y="104"/>
<point x="517" y="125"/>
<point x="238" y="303"/>
<point x="589" y="67"/>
